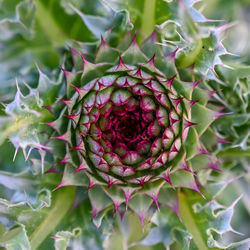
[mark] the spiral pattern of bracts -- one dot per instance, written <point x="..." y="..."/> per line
<point x="130" y="124"/>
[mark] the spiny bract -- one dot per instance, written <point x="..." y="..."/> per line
<point x="131" y="126"/>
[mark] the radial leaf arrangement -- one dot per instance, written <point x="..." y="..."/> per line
<point x="132" y="126"/>
<point x="125" y="129"/>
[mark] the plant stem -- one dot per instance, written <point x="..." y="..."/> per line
<point x="188" y="219"/>
<point x="148" y="18"/>
<point x="234" y="152"/>
<point x="53" y="31"/>
<point x="62" y="204"/>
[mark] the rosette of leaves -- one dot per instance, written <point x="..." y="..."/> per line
<point x="131" y="127"/>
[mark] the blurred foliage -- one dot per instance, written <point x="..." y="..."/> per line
<point x="34" y="36"/>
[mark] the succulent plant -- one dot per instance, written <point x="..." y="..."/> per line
<point x="127" y="126"/>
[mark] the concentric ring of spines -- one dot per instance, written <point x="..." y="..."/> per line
<point x="143" y="92"/>
<point x="110" y="99"/>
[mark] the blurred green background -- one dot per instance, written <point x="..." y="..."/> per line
<point x="26" y="43"/>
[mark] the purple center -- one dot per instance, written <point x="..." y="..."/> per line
<point x="129" y="128"/>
